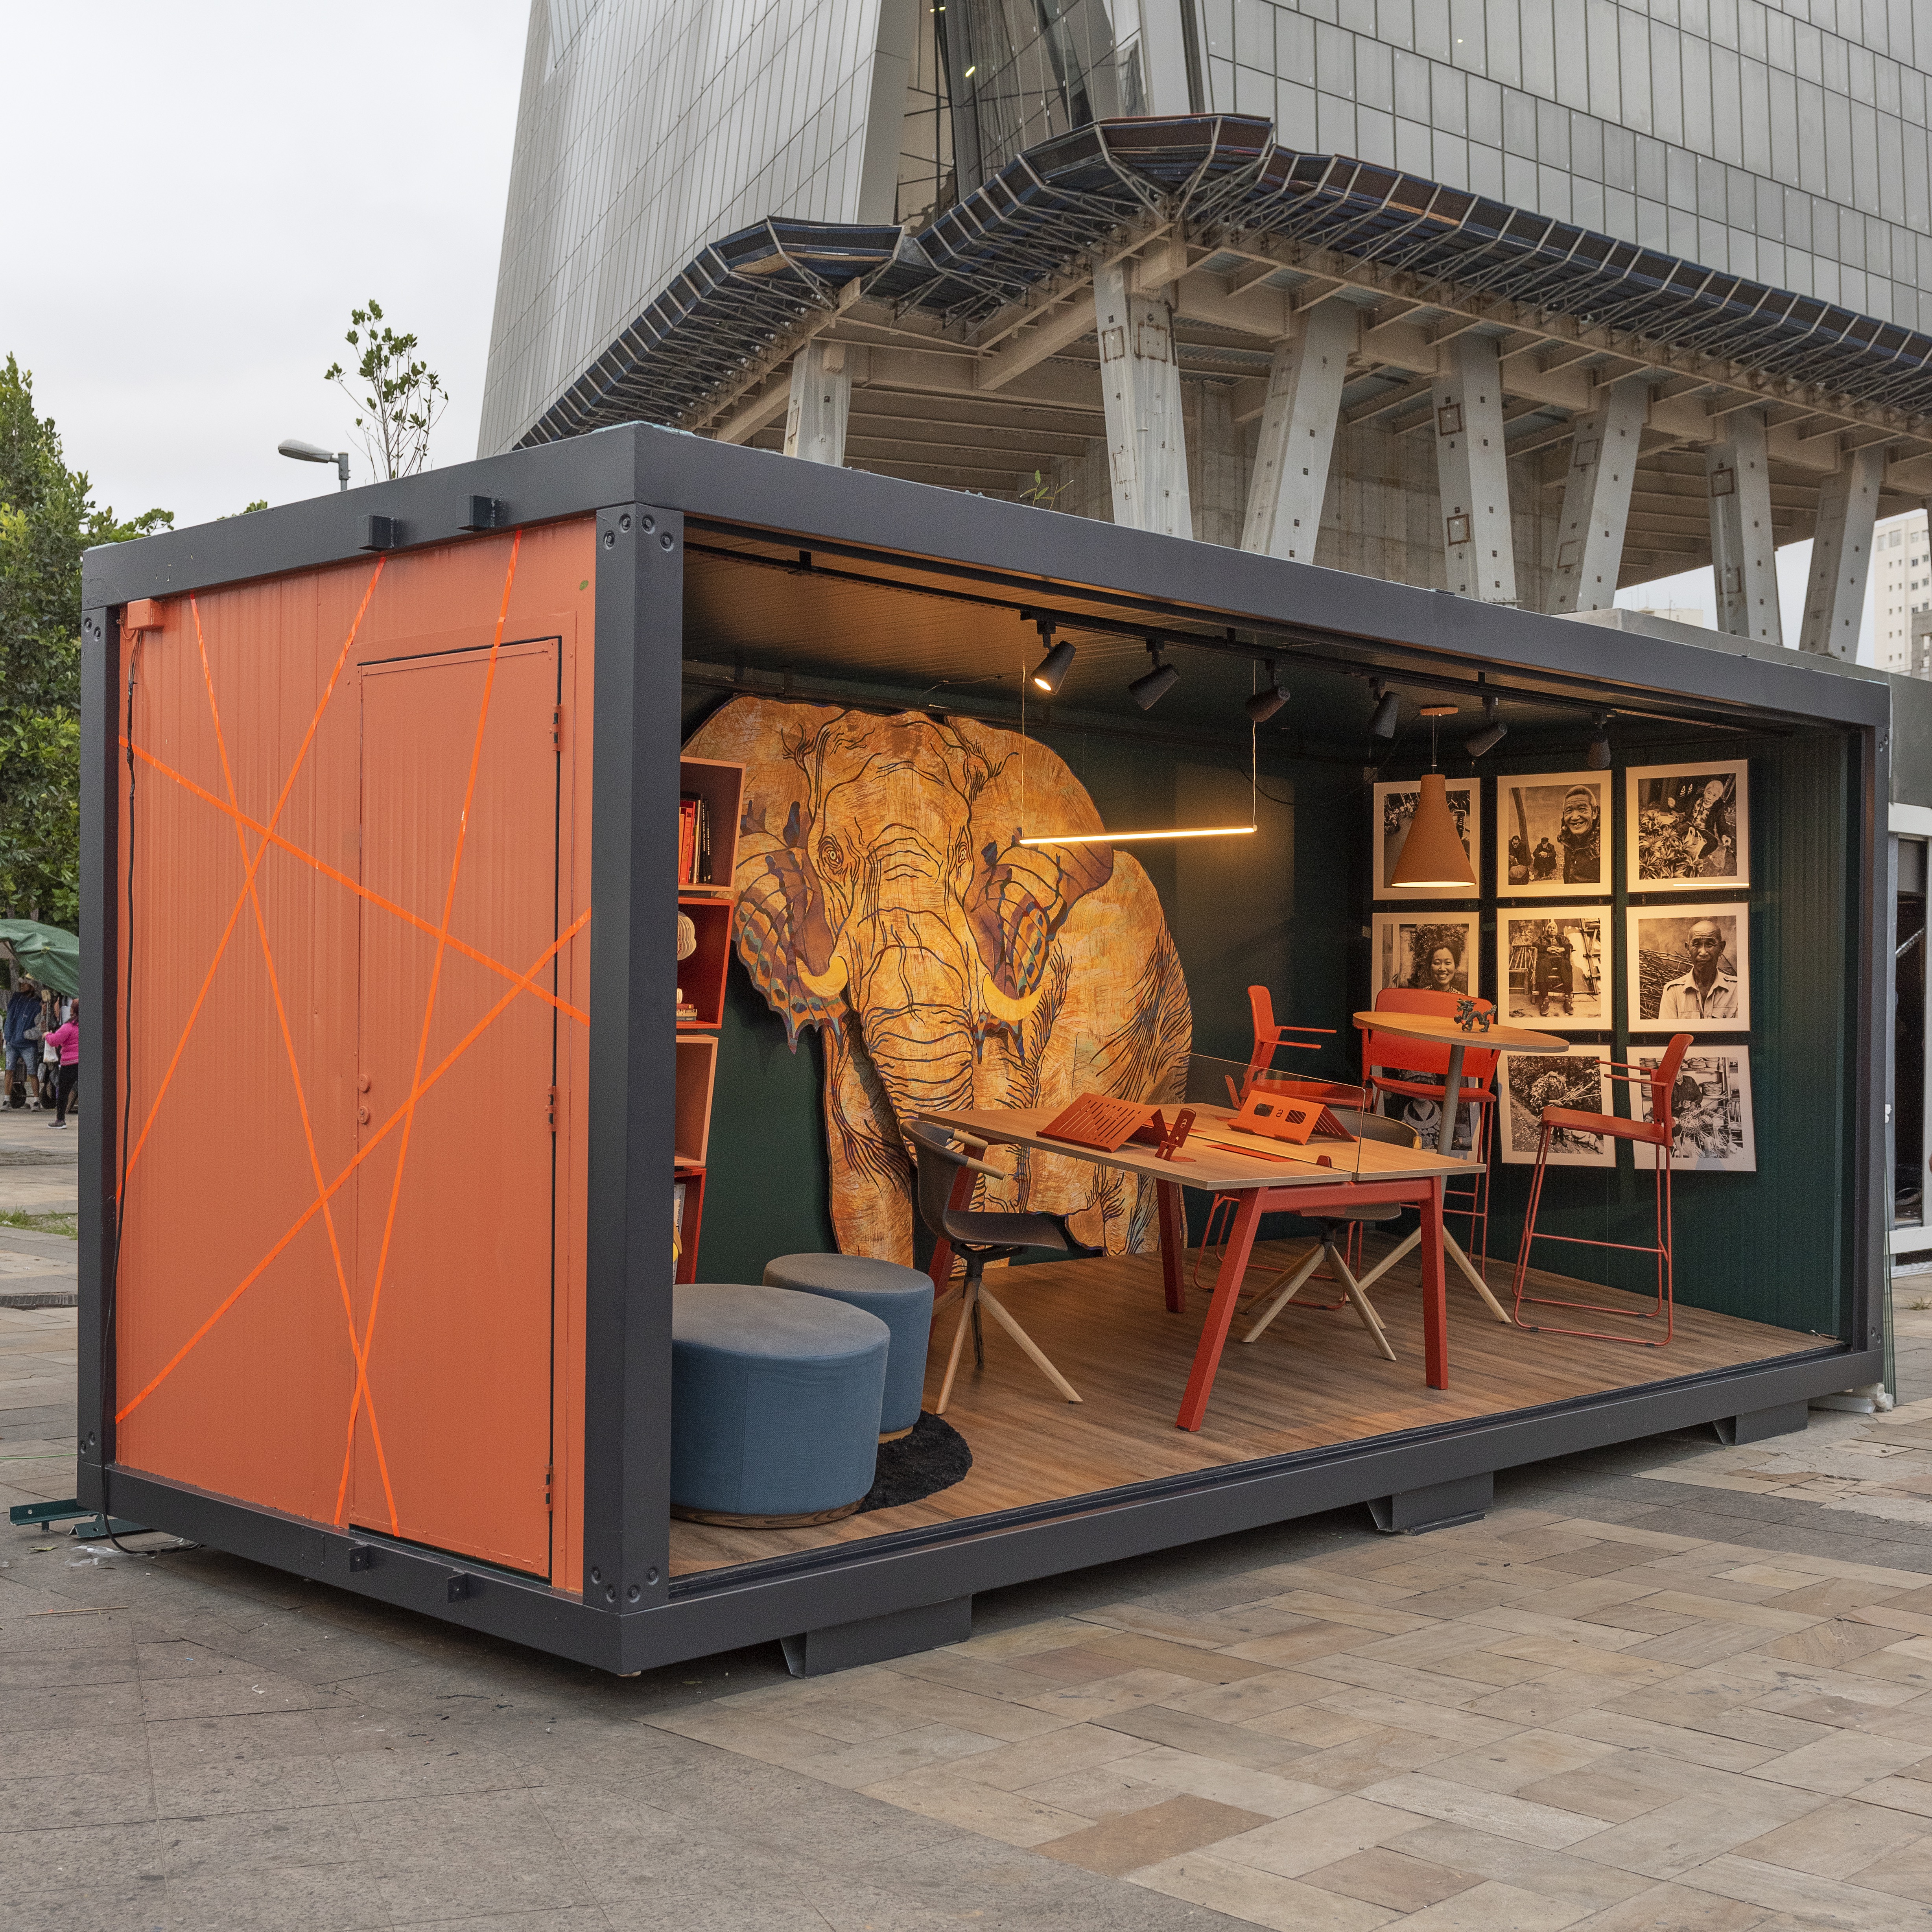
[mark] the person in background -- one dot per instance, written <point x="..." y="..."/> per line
<point x="21" y="1051"/>
<point x="65" y="1040"/>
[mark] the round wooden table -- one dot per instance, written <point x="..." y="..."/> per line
<point x="1442" y="1030"/>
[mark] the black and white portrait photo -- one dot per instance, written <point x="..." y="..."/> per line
<point x="1551" y="830"/>
<point x="1431" y="952"/>
<point x="1686" y="828"/>
<point x="1689" y="968"/>
<point x="1552" y="967"/>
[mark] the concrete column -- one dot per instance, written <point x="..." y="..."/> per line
<point x="1146" y="451"/>
<point x="821" y="400"/>
<point x="1597" y="499"/>
<point x="1743" y="549"/>
<point x="1841" y="548"/>
<point x="1472" y="473"/>
<point x="1297" y="434"/>
<point x="1214" y="461"/>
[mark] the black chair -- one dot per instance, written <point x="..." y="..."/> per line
<point x="942" y="1158"/>
<point x="1337" y="1225"/>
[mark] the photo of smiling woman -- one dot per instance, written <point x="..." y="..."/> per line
<point x="1550" y="829"/>
<point x="1433" y="952"/>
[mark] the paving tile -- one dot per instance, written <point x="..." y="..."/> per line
<point x="1495" y="1812"/>
<point x="1590" y="1886"/>
<point x="1674" y="1908"/>
<point x="1840" y="1764"/>
<point x="1668" y="1842"/>
<point x="1695" y="1644"/>
<point x="1314" y="1726"/>
<point x="1259" y="1898"/>
<point x="1255" y="1696"/>
<point x="1833" y="1596"/>
<point x="477" y="1852"/>
<point x="1909" y="1794"/>
<point x="1233" y="1744"/>
<point x="1104" y="1791"/>
<point x="1320" y="1638"/>
<point x="1511" y="1763"/>
<point x="855" y="1765"/>
<point x="1153" y="1653"/>
<point x="1273" y="1794"/>
<point x="1369" y="1759"/>
<point x="1394" y="1879"/>
<point x="1906" y="1872"/>
<point x="1617" y="1787"/>
<point x="1105" y="1696"/>
<point x="1148" y="1837"/>
<point x="1012" y="1817"/>
<point x="1808" y="1900"/>
<point x="1836" y="1840"/>
<point x="1487" y="1906"/>
<point x="1292" y="1847"/>
<point x="1839" y="1642"/>
<point x="1071" y="1748"/>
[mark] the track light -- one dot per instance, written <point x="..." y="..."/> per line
<point x="1148" y="690"/>
<point x="1263" y="704"/>
<point x="1600" y="745"/>
<point x="1493" y="732"/>
<point x="1053" y="668"/>
<point x="1387" y="713"/>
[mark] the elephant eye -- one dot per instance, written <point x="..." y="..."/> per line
<point x="831" y="855"/>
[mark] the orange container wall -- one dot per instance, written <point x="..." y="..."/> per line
<point x="355" y="961"/>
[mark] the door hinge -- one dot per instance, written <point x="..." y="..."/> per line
<point x="556" y="729"/>
<point x="548" y="1473"/>
<point x="551" y="1113"/>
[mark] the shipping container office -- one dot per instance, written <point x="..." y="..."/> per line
<point x="357" y="771"/>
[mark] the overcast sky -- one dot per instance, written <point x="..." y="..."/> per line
<point x="201" y="191"/>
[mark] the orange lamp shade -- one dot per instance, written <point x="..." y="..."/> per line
<point x="1431" y="854"/>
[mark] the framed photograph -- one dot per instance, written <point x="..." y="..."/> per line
<point x="1553" y="967"/>
<point x="1686" y="828"/>
<point x="1530" y="1084"/>
<point x="1551" y="830"/>
<point x="1433" y="950"/>
<point x="1689" y="967"/>
<point x="1711" y="1131"/>
<point x="1395" y="806"/>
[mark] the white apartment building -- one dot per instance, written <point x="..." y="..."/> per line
<point x="1901" y="585"/>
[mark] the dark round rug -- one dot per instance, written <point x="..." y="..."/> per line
<point x="933" y="1457"/>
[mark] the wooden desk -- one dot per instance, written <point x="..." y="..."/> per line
<point x="1277" y="1178"/>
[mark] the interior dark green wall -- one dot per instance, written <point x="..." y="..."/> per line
<point x="1288" y="907"/>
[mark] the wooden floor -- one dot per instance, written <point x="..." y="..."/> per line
<point x="1312" y="1379"/>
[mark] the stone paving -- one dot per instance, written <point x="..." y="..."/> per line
<point x="1661" y="1687"/>
<point x="38" y="1175"/>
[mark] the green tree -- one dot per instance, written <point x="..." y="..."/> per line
<point x="402" y="396"/>
<point x="48" y="516"/>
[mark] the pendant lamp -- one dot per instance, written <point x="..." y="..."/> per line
<point x="1432" y="855"/>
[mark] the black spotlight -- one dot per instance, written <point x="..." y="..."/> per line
<point x="1148" y="690"/>
<point x="1053" y="667"/>
<point x="1600" y="745"/>
<point x="1387" y="713"/>
<point x="1265" y="704"/>
<point x="1493" y="732"/>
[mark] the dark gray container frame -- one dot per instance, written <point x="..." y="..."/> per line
<point x="643" y="485"/>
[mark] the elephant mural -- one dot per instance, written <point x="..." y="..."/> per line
<point x="882" y="899"/>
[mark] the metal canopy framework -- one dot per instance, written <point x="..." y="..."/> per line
<point x="990" y="263"/>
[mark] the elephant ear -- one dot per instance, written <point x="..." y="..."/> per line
<point x="780" y="926"/>
<point x="1018" y="900"/>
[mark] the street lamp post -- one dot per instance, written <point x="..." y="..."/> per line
<point x="313" y="452"/>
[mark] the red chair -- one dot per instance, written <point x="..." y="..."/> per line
<point x="1656" y="1133"/>
<point x="1268" y="1035"/>
<point x="1464" y="1198"/>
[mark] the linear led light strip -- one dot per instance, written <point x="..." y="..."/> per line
<point x="1122" y="838"/>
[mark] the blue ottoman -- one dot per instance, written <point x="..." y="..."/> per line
<point x="901" y="1298"/>
<point x="775" y="1405"/>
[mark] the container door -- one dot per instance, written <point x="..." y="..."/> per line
<point x="453" y="1276"/>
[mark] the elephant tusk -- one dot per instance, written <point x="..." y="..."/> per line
<point x="828" y="985"/>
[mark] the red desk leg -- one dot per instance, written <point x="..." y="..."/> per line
<point x="1173" y="1245"/>
<point x="1435" y="1296"/>
<point x="1221" y="1310"/>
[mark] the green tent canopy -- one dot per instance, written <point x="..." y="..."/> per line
<point x="51" y="955"/>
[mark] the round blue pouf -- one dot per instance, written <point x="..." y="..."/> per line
<point x="775" y="1404"/>
<point x="901" y="1298"/>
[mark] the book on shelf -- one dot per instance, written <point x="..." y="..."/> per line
<point x="693" y="841"/>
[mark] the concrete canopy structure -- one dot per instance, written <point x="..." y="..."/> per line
<point x="1191" y="320"/>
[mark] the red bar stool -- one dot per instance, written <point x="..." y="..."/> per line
<point x="1656" y="1133"/>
